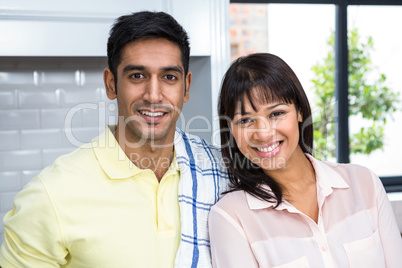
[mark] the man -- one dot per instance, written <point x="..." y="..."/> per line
<point x="140" y="194"/>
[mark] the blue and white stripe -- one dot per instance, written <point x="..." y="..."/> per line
<point x="203" y="178"/>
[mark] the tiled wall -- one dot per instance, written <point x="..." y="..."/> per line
<point x="42" y="99"/>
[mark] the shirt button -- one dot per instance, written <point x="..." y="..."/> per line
<point x="324" y="248"/>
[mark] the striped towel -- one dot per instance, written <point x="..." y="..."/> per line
<point x="203" y="179"/>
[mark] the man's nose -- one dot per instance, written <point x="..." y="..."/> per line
<point x="153" y="92"/>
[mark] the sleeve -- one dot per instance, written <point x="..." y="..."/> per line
<point x="389" y="233"/>
<point x="32" y="232"/>
<point x="229" y="245"/>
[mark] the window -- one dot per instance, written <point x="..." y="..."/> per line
<point x="386" y="58"/>
<point x="298" y="31"/>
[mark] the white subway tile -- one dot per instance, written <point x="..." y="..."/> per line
<point x="58" y="77"/>
<point x="19" y="119"/>
<point x="80" y="136"/>
<point x="100" y="115"/>
<point x="38" y="98"/>
<point x="7" y="99"/>
<point x="20" y="160"/>
<point x="28" y="175"/>
<point x="9" y="140"/>
<point x="103" y="96"/>
<point x="110" y="112"/>
<point x="1" y="225"/>
<point x="10" y="181"/>
<point x="80" y="96"/>
<point x="41" y="138"/>
<point x="6" y="201"/>
<point x="49" y="155"/>
<point x="90" y="117"/>
<point x="60" y="118"/>
<point x="16" y="77"/>
<point x="93" y="77"/>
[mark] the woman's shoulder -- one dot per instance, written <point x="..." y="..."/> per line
<point x="357" y="177"/>
<point x="231" y="201"/>
<point x="347" y="171"/>
<point x="351" y="171"/>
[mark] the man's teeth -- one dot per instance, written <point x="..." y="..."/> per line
<point x="269" y="148"/>
<point x="151" y="114"/>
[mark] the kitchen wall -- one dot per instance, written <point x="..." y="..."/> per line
<point x="49" y="106"/>
<point x="52" y="98"/>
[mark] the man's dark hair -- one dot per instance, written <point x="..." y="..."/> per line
<point x="145" y="24"/>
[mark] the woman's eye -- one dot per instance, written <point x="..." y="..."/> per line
<point x="244" y="121"/>
<point x="276" y="114"/>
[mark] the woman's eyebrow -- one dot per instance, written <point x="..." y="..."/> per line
<point x="268" y="108"/>
<point x="276" y="105"/>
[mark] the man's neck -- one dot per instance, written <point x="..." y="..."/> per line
<point x="154" y="155"/>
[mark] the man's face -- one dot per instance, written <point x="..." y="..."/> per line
<point x="150" y="90"/>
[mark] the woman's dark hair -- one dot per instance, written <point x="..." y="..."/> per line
<point x="145" y="24"/>
<point x="273" y="80"/>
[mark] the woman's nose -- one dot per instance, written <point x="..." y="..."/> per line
<point x="263" y="131"/>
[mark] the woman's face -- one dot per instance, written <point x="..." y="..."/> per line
<point x="269" y="135"/>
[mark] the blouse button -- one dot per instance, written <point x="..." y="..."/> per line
<point x="324" y="248"/>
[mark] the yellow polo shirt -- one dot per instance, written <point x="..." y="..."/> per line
<point x="94" y="208"/>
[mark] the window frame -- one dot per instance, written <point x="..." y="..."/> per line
<point x="391" y="183"/>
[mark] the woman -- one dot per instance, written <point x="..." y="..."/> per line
<point x="286" y="208"/>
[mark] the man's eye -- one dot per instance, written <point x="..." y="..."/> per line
<point x="170" y="77"/>
<point x="137" y="76"/>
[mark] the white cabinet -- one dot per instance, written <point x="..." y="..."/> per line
<point x="80" y="28"/>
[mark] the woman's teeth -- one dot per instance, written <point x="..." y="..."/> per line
<point x="269" y="148"/>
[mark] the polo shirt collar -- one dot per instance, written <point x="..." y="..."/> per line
<point x="327" y="180"/>
<point x="111" y="156"/>
<point x="113" y="159"/>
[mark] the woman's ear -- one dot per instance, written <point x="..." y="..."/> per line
<point x="110" y="85"/>
<point x="299" y="116"/>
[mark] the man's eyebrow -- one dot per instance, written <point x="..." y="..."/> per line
<point x="175" y="68"/>
<point x="132" y="67"/>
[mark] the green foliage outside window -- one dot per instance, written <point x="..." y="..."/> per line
<point x="370" y="100"/>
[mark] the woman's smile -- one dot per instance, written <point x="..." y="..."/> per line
<point x="269" y="150"/>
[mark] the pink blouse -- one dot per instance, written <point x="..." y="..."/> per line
<point x="356" y="226"/>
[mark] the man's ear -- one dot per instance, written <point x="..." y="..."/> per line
<point x="110" y="85"/>
<point x="187" y="84"/>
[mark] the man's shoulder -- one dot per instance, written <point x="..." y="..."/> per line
<point x="77" y="163"/>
